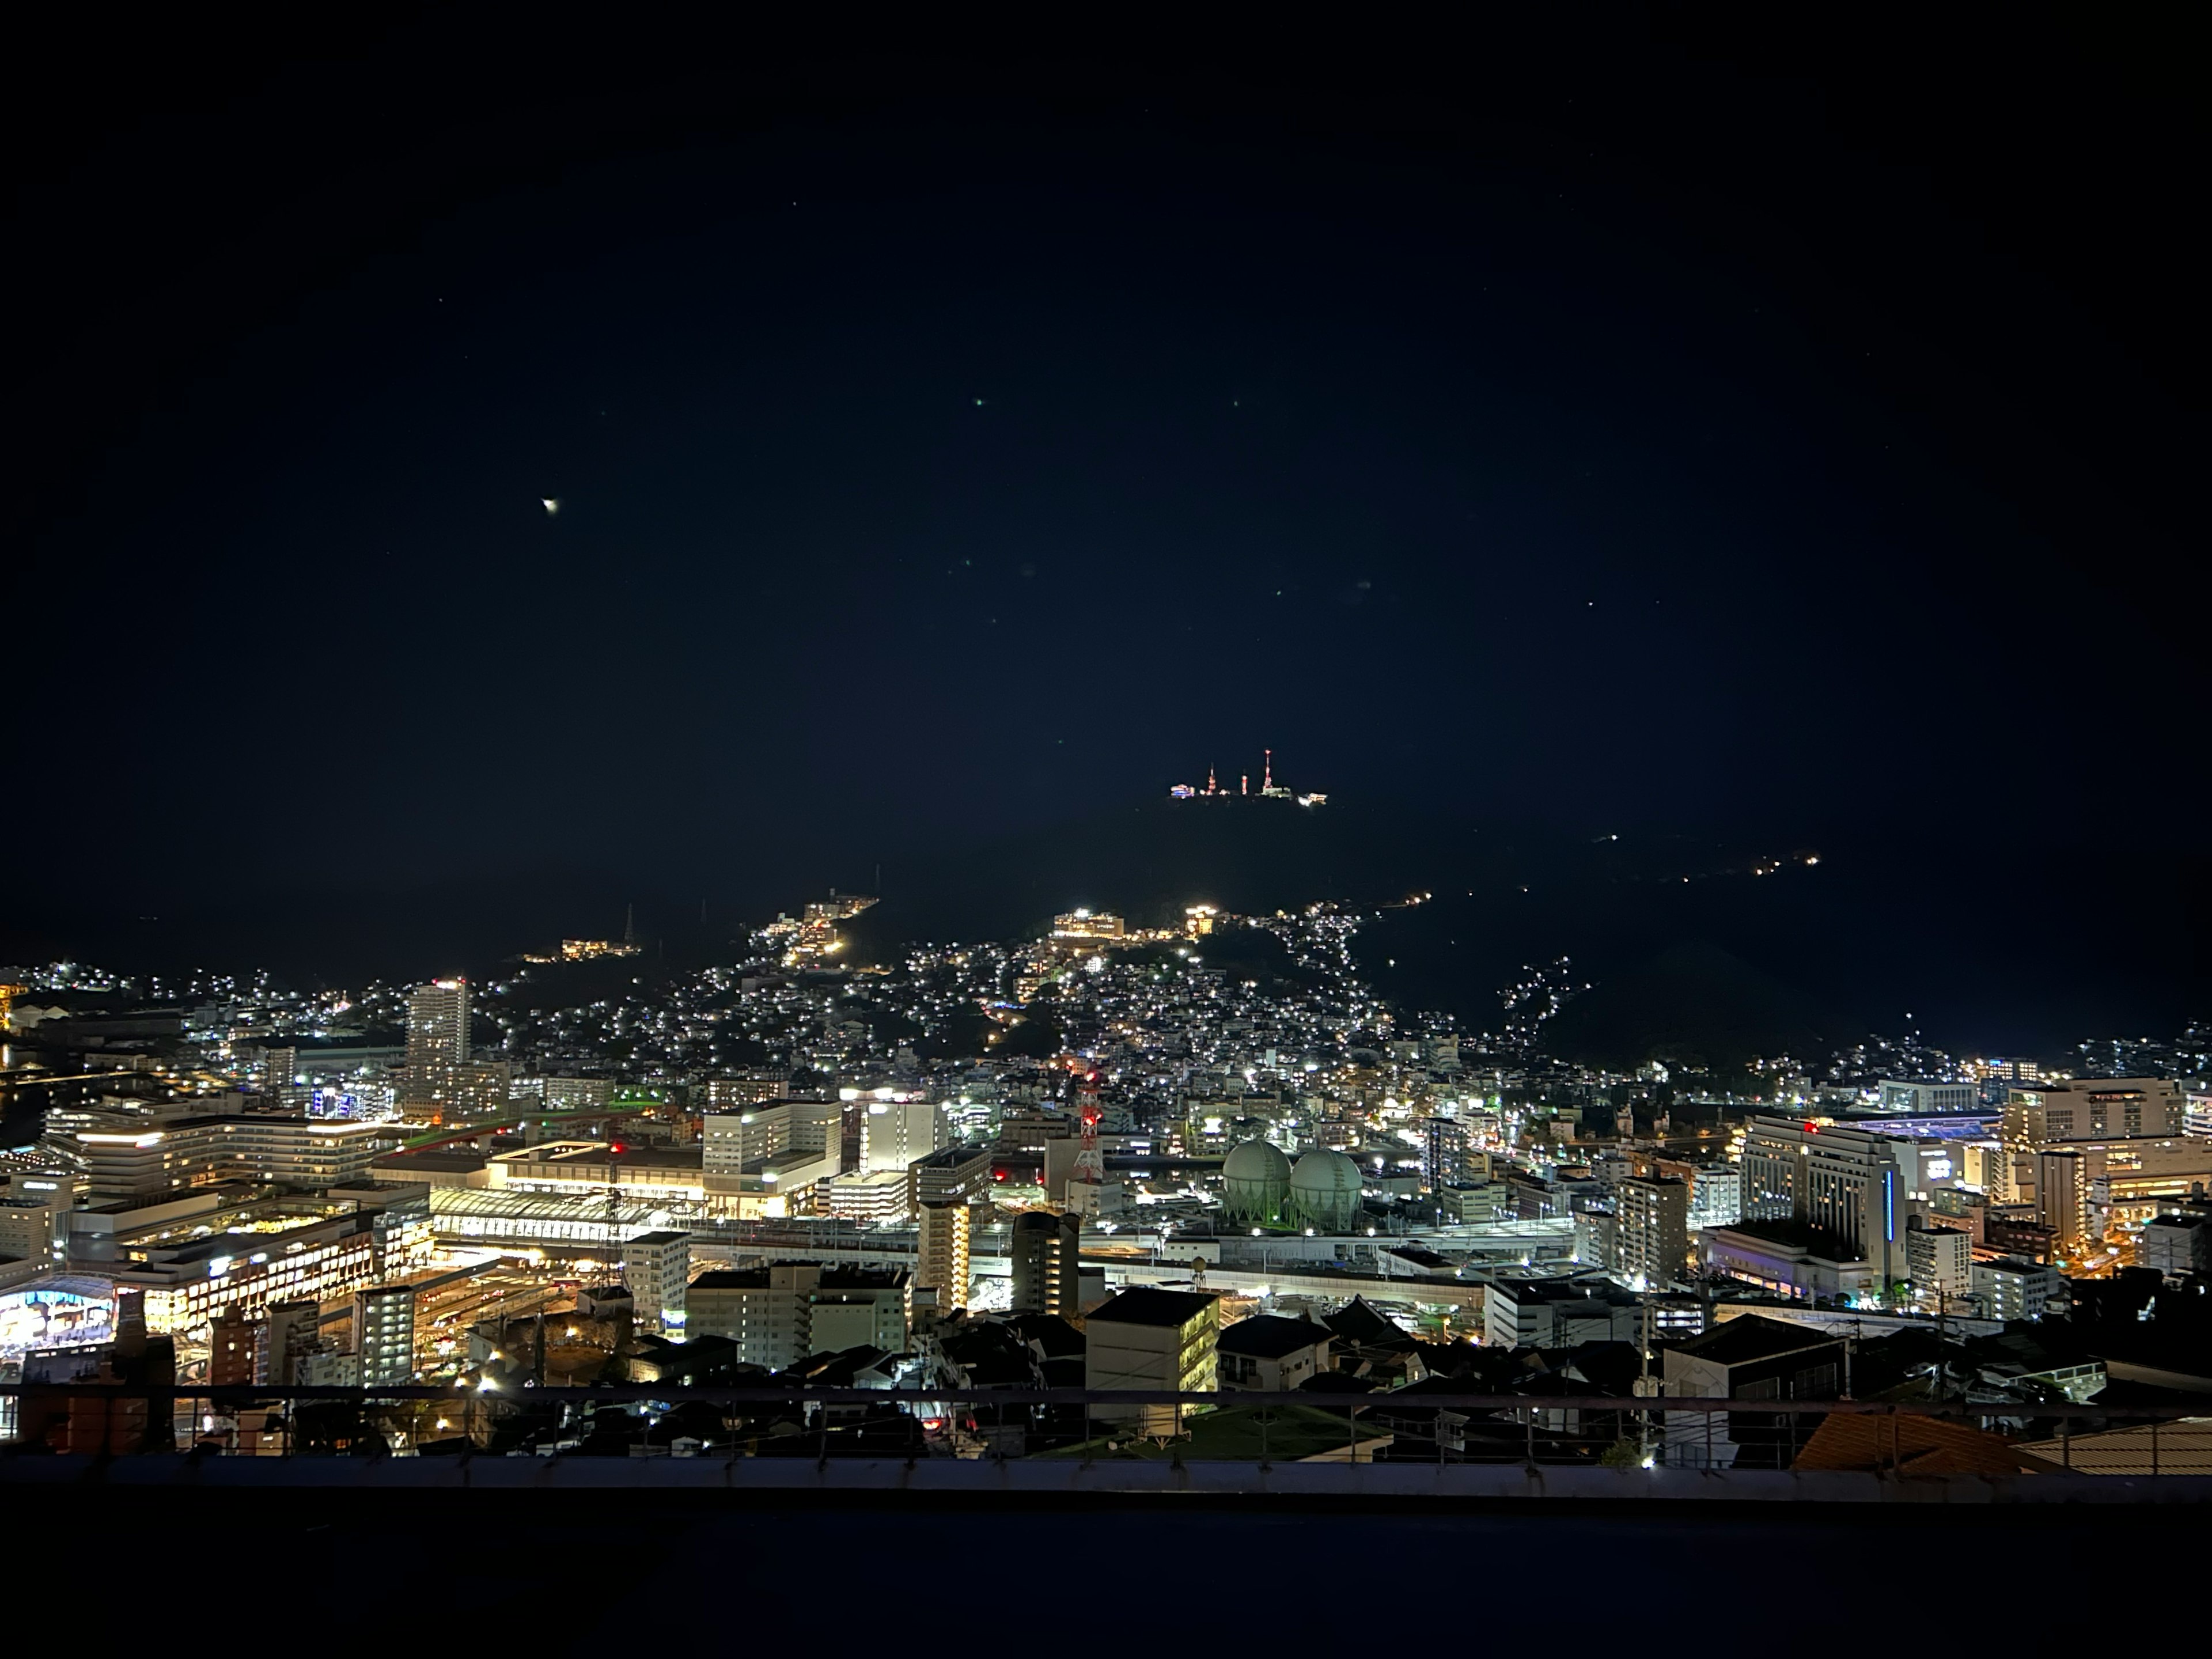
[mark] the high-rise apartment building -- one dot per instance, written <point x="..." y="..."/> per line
<point x="1048" y="1252"/>
<point x="780" y="1314"/>
<point x="438" y="1024"/>
<point x="231" y="1347"/>
<point x="656" y="1269"/>
<point x="1938" y="1261"/>
<point x="384" y="1333"/>
<point x="940" y="1279"/>
<point x="1651" y="1230"/>
<point x="285" y="1334"/>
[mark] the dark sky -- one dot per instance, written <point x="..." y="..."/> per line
<point x="1667" y="424"/>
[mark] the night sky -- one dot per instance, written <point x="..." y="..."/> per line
<point x="1666" y="427"/>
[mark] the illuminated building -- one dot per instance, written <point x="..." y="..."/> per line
<point x="2062" y="1195"/>
<point x="734" y="1140"/>
<point x="1651" y="1237"/>
<point x="2011" y="1289"/>
<point x="384" y="1333"/>
<point x="1919" y="1099"/>
<point x="1855" y="1184"/>
<point x="954" y="1174"/>
<point x="1046" y="1250"/>
<point x="940" y="1278"/>
<point x="285" y="1149"/>
<point x="2095" y="1108"/>
<point x="33" y="1218"/>
<point x="1792" y="1258"/>
<point x="575" y="1168"/>
<point x="438" y="1024"/>
<point x="746" y="1088"/>
<point x="1151" y="1339"/>
<point x="656" y="1267"/>
<point x="1938" y="1261"/>
<point x="590" y="949"/>
<point x="564" y="1094"/>
<point x="1087" y="925"/>
<point x="894" y="1133"/>
<point x="230" y="1350"/>
<point x="1559" y="1312"/>
<point x="225" y="1254"/>
<point x="779" y="1315"/>
<point x="440" y="1091"/>
<point x="873" y="1195"/>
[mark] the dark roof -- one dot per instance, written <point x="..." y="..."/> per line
<point x="732" y="1279"/>
<point x="1335" y="1382"/>
<point x="1057" y="1337"/>
<point x="1559" y="1291"/>
<point x="1268" y="1336"/>
<point x="1146" y="1304"/>
<point x="862" y="1279"/>
<point x="1355" y="1321"/>
<point x="1748" y="1337"/>
<point x="1797" y="1235"/>
<point x="434" y="1160"/>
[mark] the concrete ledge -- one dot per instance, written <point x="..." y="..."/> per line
<point x="1061" y="1478"/>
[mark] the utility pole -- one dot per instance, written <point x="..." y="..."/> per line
<point x="1942" y="1304"/>
<point x="1646" y="1388"/>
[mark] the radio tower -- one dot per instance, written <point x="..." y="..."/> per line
<point x="1267" y="773"/>
<point x="1089" y="1165"/>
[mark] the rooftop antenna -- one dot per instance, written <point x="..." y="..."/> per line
<point x="1244" y="783"/>
<point x="1210" y="789"/>
<point x="1268" y="776"/>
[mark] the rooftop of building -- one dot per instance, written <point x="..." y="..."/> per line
<point x="1748" y="1337"/>
<point x="1270" y="1336"/>
<point x="1796" y="1235"/>
<point x="1145" y="1304"/>
<point x="952" y="1158"/>
<point x="1559" y="1291"/>
<point x="436" y="1160"/>
<point x="849" y="1278"/>
<point x="667" y="1236"/>
<point x="731" y="1278"/>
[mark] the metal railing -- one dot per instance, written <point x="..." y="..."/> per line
<point x="114" y="1419"/>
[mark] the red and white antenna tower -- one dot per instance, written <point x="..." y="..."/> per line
<point x="1210" y="789"/>
<point x="1244" y="783"/>
<point x="1090" y="1163"/>
<point x="1268" y="777"/>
